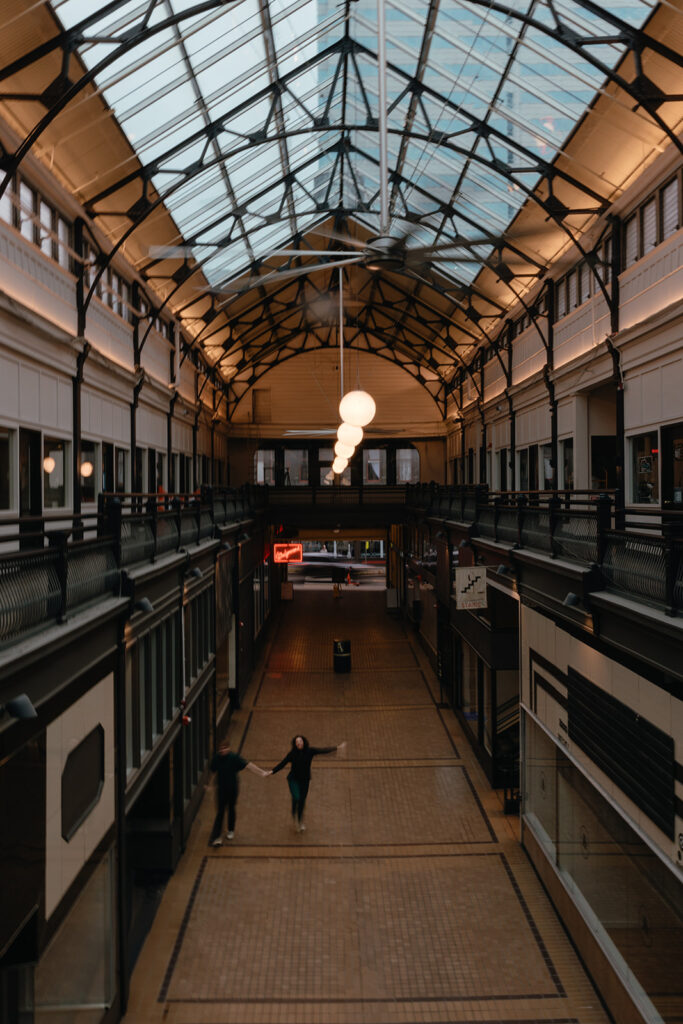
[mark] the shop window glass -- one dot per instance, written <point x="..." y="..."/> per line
<point x="669" y="200"/>
<point x="5" y="468"/>
<point x="487" y="710"/>
<point x="673" y="464"/>
<point x="585" y="279"/>
<point x="407" y="466"/>
<point x="524" y="470"/>
<point x="75" y="977"/>
<point x="546" y="466"/>
<point x="88" y="471"/>
<point x="296" y="467"/>
<point x="54" y="473"/>
<point x="607" y="257"/>
<point x="6" y="205"/>
<point x="649" y="217"/>
<point x="591" y="846"/>
<point x="325" y="460"/>
<point x="46" y="228"/>
<point x="645" y="468"/>
<point x="572" y="298"/>
<point x="26" y="208"/>
<point x="64" y="243"/>
<point x="561" y="299"/>
<point x="374" y="466"/>
<point x="121" y="458"/>
<point x="160" y="470"/>
<point x="264" y="466"/>
<point x="567" y="463"/>
<point x="631" y="242"/>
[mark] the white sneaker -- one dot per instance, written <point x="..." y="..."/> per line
<point x="216" y="842"/>
<point x="302" y="827"/>
<point x="229" y="835"/>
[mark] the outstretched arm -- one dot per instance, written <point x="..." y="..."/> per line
<point x="328" y="750"/>
<point x="256" y="770"/>
<point x="280" y="766"/>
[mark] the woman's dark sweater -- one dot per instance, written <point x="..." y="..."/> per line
<point x="300" y="762"/>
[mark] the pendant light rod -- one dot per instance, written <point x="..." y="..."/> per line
<point x="383" y="161"/>
<point x="341" y="331"/>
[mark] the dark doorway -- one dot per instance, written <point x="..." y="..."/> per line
<point x="603" y="462"/>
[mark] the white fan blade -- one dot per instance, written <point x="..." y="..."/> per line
<point x="240" y="285"/>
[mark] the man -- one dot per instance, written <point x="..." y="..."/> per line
<point x="227" y="766"/>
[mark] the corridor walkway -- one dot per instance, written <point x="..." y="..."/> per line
<point x="408" y="898"/>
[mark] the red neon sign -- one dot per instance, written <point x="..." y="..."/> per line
<point x="288" y="552"/>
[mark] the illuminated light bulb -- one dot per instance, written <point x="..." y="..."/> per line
<point x="49" y="464"/>
<point x="357" y="408"/>
<point x="344" y="451"/>
<point x="339" y="465"/>
<point x="86" y="468"/>
<point x="350" y="434"/>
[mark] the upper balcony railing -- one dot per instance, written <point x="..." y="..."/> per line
<point x="644" y="560"/>
<point x="51" y="566"/>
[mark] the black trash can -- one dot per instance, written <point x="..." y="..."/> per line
<point x="342" y="655"/>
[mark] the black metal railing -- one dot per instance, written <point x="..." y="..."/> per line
<point x="641" y="559"/>
<point x="53" y="564"/>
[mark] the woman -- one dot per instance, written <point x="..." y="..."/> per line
<point x="299" y="759"/>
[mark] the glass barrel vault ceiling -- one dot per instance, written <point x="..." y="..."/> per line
<point x="256" y="120"/>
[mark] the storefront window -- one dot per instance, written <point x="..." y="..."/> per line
<point x="296" y="467"/>
<point x="374" y="466"/>
<point x="546" y="467"/>
<point x="54" y="473"/>
<point x="407" y="466"/>
<point x="5" y="468"/>
<point x="672" y="464"/>
<point x="567" y="463"/>
<point x="591" y="846"/>
<point x="88" y="471"/>
<point x="524" y="470"/>
<point x="264" y="466"/>
<point x="645" y="468"/>
<point x="75" y="979"/>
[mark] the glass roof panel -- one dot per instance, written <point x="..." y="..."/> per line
<point x="290" y="116"/>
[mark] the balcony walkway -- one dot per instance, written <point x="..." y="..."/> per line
<point x="407" y="899"/>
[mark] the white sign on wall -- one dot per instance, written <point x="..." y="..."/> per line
<point x="470" y="587"/>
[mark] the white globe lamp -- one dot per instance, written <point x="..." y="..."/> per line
<point x="86" y="468"/>
<point x="357" y="408"/>
<point x="344" y="451"/>
<point x="339" y="465"/>
<point x="350" y="434"/>
<point x="49" y="464"/>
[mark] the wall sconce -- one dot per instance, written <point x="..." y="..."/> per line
<point x="49" y="464"/>
<point x="143" y="605"/>
<point x="86" y="468"/>
<point x="196" y="572"/>
<point x="571" y="600"/>
<point x="19" y="707"/>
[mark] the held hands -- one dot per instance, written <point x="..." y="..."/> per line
<point x="341" y="747"/>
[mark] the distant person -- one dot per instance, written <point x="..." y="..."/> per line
<point x="287" y="477"/>
<point x="299" y="759"/>
<point x="227" y="765"/>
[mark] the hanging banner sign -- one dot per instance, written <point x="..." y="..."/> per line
<point x="288" y="553"/>
<point x="470" y="587"/>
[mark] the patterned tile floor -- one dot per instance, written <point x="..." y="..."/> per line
<point x="408" y="899"/>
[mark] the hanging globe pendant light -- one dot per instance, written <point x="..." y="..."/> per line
<point x="344" y="451"/>
<point x="350" y="434"/>
<point x="339" y="465"/>
<point x="357" y="408"/>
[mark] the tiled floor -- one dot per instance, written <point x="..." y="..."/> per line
<point x="408" y="899"/>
